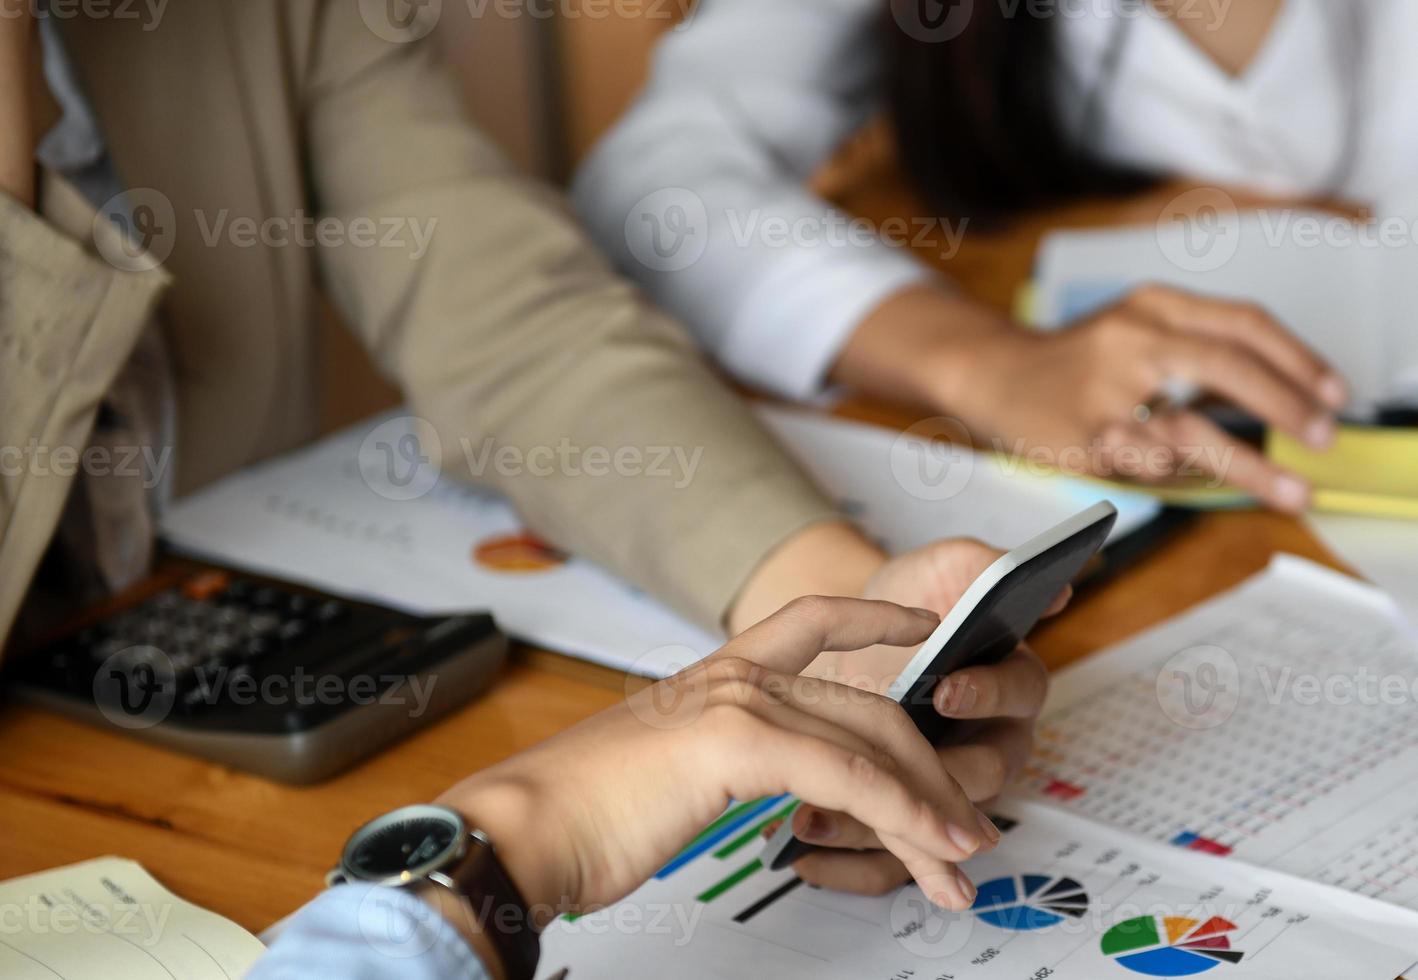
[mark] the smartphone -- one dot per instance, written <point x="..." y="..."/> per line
<point x="992" y="618"/>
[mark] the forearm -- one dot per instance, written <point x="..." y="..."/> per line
<point x="625" y="449"/>
<point x="831" y="558"/>
<point x="921" y="348"/>
<point x="546" y="377"/>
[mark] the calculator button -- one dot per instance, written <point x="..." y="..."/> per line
<point x="292" y="630"/>
<point x="256" y="648"/>
<point x="261" y="624"/>
<point x="200" y="614"/>
<point x="194" y="699"/>
<point x="299" y="604"/>
<point x="228" y="615"/>
<point x="221" y="644"/>
<point x="185" y="662"/>
<point x="158" y="630"/>
<point x="237" y="677"/>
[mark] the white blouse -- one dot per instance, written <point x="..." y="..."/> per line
<point x="699" y="191"/>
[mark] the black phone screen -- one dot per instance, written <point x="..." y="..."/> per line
<point x="1001" y="621"/>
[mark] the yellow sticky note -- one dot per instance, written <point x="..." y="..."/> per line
<point x="1026" y="304"/>
<point x="1369" y="470"/>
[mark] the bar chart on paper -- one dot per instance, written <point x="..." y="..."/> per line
<point x="1256" y="726"/>
<point x="1060" y="898"/>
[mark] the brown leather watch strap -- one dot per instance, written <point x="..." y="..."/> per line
<point x="498" y="907"/>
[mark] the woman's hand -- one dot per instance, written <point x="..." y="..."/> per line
<point x="1004" y="699"/>
<point x="1076" y="393"/>
<point x="584" y="818"/>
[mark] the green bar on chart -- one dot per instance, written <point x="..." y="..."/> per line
<point x="732" y="880"/>
<point x="751" y="833"/>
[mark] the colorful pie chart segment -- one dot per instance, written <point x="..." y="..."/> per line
<point x="1024" y="903"/>
<point x="1171" y="945"/>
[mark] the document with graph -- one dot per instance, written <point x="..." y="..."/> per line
<point x="1234" y="792"/>
<point x="1276" y="725"/>
<point x="1061" y="897"/>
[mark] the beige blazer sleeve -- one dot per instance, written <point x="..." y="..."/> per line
<point x="68" y="321"/>
<point x="510" y="326"/>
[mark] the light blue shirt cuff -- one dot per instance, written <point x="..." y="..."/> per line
<point x="367" y="932"/>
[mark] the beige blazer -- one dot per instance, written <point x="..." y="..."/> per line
<point x="510" y="326"/>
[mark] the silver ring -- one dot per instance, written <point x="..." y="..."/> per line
<point x="1174" y="395"/>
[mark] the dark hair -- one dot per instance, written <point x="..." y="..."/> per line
<point x="976" y="126"/>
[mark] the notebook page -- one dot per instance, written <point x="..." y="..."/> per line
<point x="108" y="919"/>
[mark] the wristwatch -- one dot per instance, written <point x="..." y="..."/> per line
<point x="418" y="844"/>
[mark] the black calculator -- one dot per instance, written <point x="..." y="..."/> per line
<point x="266" y="676"/>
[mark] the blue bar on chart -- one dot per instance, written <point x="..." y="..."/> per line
<point x="719" y="831"/>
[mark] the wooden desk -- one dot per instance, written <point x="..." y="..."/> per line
<point x="254" y="851"/>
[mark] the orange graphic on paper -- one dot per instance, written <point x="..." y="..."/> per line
<point x="517" y="554"/>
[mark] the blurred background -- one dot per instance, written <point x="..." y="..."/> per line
<point x="548" y="86"/>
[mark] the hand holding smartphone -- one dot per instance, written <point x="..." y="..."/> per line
<point x="991" y="619"/>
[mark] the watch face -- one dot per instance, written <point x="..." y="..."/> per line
<point x="406" y="843"/>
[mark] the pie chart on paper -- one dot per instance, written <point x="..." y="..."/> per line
<point x="1025" y="903"/>
<point x="1171" y="946"/>
<point x="515" y="554"/>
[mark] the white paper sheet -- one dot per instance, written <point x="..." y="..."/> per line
<point x="1384" y="551"/>
<point x="313" y="517"/>
<point x="108" y="919"/>
<point x="1060" y="898"/>
<point x="1275" y="725"/>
